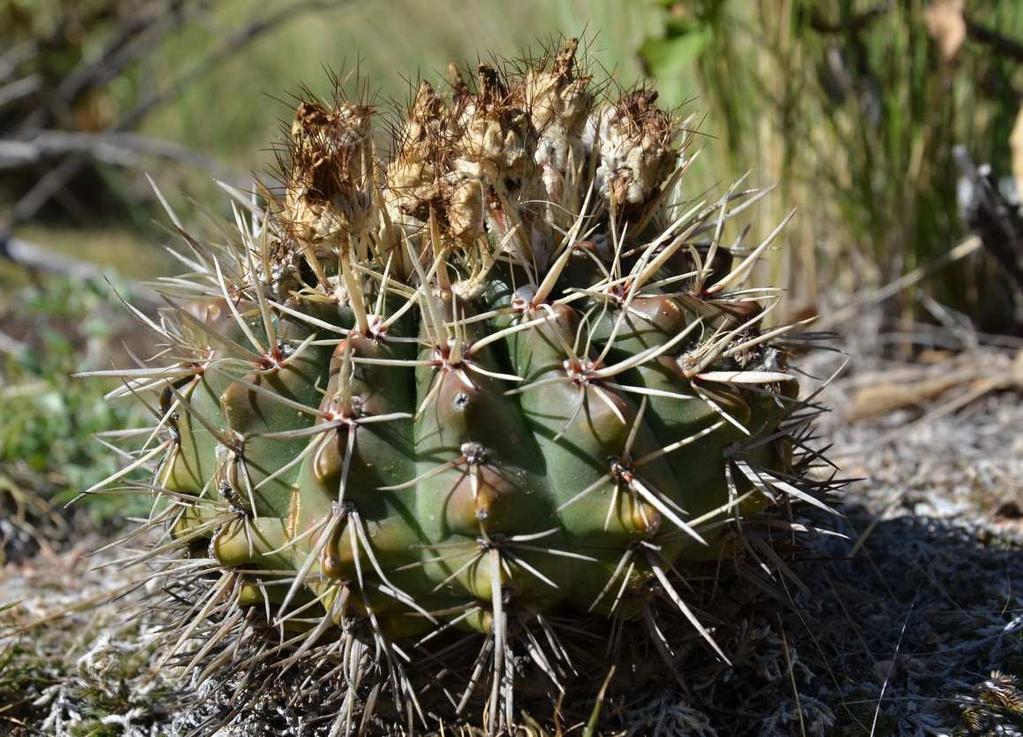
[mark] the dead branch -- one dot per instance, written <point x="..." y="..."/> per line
<point x="42" y="259"/>
<point x="121" y="149"/>
<point x="15" y="56"/>
<point x="19" y="88"/>
<point x="51" y="183"/>
<point x="1009" y="47"/>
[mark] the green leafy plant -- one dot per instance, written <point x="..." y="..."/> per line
<point x="47" y="451"/>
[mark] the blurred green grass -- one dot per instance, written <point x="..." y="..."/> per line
<point x="851" y="109"/>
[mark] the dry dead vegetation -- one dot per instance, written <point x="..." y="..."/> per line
<point x="909" y="621"/>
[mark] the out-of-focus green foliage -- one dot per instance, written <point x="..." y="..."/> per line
<point x="854" y="111"/>
<point x="49" y="417"/>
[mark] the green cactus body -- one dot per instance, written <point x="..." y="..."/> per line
<point x="495" y="381"/>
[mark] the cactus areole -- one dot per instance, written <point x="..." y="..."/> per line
<point x="470" y="396"/>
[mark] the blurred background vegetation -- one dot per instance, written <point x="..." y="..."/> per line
<point x="852" y="108"/>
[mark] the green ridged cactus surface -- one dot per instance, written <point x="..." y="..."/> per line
<point x="480" y="373"/>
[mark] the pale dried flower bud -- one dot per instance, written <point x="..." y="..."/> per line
<point x="633" y="138"/>
<point x="422" y="178"/>
<point x="498" y="138"/>
<point x="329" y="191"/>
<point x="558" y="102"/>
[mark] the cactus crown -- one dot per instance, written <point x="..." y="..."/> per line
<point x="450" y="413"/>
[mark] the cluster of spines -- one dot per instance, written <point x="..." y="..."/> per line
<point x="576" y="379"/>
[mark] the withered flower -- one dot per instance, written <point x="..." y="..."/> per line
<point x="634" y="140"/>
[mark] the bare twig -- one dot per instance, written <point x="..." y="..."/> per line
<point x="1009" y="47"/>
<point x="35" y="257"/>
<point x="121" y="149"/>
<point x="41" y="192"/>
<point x="133" y="41"/>
<point x="19" y="88"/>
<point x="38" y="258"/>
<point x="15" y="56"/>
<point x="56" y="178"/>
<point x="905" y="281"/>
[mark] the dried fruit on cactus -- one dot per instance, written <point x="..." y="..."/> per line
<point x="504" y="386"/>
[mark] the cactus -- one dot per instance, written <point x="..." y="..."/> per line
<point x="504" y="385"/>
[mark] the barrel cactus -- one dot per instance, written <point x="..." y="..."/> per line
<point x="475" y="398"/>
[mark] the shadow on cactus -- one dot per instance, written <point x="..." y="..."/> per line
<point x="451" y="433"/>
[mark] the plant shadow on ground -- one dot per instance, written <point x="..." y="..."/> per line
<point x="913" y="626"/>
<point x="907" y="626"/>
